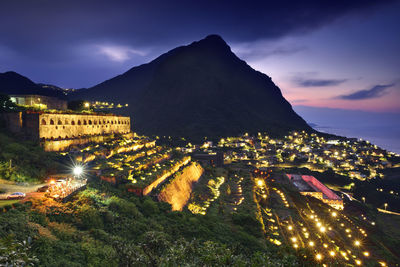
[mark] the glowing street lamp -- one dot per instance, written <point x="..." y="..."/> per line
<point x="78" y="170"/>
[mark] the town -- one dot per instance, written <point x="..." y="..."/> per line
<point x="284" y="183"/>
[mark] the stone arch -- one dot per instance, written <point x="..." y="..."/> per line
<point x="79" y="122"/>
<point x="84" y="122"/>
<point x="43" y="122"/>
<point x="90" y="122"/>
<point x="99" y="122"/>
<point x="66" y="122"/>
<point x="72" y="122"/>
<point x="59" y="122"/>
<point x="51" y="122"/>
<point x="95" y="122"/>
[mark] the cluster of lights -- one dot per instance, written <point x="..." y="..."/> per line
<point x="282" y="195"/>
<point x="324" y="227"/>
<point x="239" y="188"/>
<point x="214" y="187"/>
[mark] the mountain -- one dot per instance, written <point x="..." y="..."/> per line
<point x="12" y="83"/>
<point x="202" y="89"/>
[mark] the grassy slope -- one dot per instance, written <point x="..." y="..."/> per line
<point x="24" y="161"/>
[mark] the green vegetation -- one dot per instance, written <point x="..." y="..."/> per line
<point x="6" y="104"/>
<point x="23" y="161"/>
<point x="104" y="226"/>
<point x="4" y="203"/>
<point x="235" y="216"/>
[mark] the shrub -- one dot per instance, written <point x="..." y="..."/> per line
<point x="90" y="217"/>
<point x="149" y="207"/>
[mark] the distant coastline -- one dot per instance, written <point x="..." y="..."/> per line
<point x="381" y="129"/>
<point x="390" y="144"/>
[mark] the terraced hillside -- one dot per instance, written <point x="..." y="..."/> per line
<point x="147" y="203"/>
<point x="267" y="206"/>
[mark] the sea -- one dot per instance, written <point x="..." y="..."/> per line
<point x="381" y="129"/>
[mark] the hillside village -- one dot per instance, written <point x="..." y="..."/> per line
<point x="249" y="175"/>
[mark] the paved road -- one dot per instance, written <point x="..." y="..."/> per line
<point x="11" y="188"/>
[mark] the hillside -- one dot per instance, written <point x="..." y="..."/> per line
<point x="199" y="90"/>
<point x="14" y="83"/>
<point x="235" y="215"/>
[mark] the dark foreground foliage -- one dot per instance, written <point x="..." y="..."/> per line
<point x="104" y="226"/>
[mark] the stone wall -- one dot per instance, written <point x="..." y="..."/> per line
<point x="13" y="121"/>
<point x="57" y="132"/>
<point x="64" y="144"/>
<point x="65" y="126"/>
<point x="177" y="193"/>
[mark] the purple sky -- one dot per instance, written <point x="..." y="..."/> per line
<point x="344" y="54"/>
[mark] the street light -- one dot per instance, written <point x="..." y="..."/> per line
<point x="385" y="205"/>
<point x="78" y="170"/>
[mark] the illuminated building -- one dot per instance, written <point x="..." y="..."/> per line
<point x="58" y="131"/>
<point x="39" y="101"/>
<point x="310" y="186"/>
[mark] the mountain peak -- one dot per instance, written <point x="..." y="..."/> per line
<point x="214" y="41"/>
<point x="215" y="38"/>
<point x="202" y="89"/>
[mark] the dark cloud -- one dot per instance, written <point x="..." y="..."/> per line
<point x="43" y="23"/>
<point x="45" y="35"/>
<point x="374" y="92"/>
<point x="317" y="82"/>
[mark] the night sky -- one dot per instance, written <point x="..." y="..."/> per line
<point x="344" y="54"/>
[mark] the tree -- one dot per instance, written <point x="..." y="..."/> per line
<point x="14" y="253"/>
<point x="6" y="104"/>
